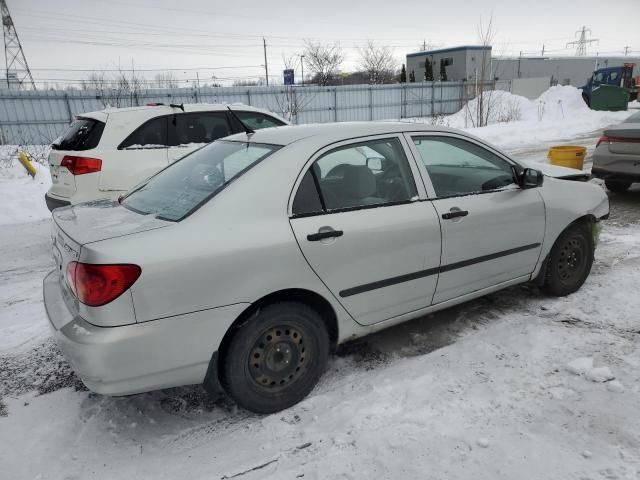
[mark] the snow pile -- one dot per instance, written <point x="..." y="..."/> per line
<point x="22" y="196"/>
<point x="557" y="115"/>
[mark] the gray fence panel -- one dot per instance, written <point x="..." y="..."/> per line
<point x="38" y="117"/>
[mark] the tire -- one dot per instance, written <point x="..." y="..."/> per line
<point x="616" y="186"/>
<point x="275" y="358"/>
<point x="570" y="261"/>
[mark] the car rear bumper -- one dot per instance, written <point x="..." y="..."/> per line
<point x="615" y="175"/>
<point x="141" y="357"/>
<point x="53" y="203"/>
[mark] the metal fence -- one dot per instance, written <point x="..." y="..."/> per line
<point x="38" y="117"/>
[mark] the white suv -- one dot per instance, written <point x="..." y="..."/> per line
<point x="103" y="154"/>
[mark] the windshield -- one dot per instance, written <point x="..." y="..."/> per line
<point x="181" y="188"/>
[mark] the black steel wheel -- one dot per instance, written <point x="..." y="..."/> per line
<point x="275" y="359"/>
<point x="570" y="260"/>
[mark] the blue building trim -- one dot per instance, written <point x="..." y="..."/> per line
<point x="448" y="50"/>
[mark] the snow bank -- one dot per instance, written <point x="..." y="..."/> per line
<point x="22" y="197"/>
<point x="559" y="114"/>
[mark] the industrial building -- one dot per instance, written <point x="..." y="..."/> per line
<point x="467" y="62"/>
<point x="461" y="63"/>
<point x="560" y="70"/>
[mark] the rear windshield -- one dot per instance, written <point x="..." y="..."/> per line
<point x="82" y="134"/>
<point x="184" y="186"/>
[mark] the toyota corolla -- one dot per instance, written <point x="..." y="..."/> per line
<point x="244" y="264"/>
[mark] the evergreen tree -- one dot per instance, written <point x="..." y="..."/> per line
<point x="428" y="71"/>
<point x="412" y="76"/>
<point x="403" y="74"/>
<point x="443" y="70"/>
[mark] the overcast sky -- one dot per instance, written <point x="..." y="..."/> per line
<point x="224" y="38"/>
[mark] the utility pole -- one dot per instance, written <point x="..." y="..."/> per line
<point x="626" y="50"/>
<point x="519" y="60"/>
<point x="17" y="69"/>
<point x="302" y="66"/>
<point x="582" y="42"/>
<point x="542" y="50"/>
<point x="424" y="45"/>
<point x="266" y="67"/>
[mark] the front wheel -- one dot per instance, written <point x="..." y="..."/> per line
<point x="275" y="359"/>
<point x="617" y="187"/>
<point x="570" y="261"/>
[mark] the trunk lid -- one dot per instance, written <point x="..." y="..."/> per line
<point x="625" y="139"/>
<point x="102" y="219"/>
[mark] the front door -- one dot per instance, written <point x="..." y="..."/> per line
<point x="492" y="230"/>
<point x="360" y="225"/>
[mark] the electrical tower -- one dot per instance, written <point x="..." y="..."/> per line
<point x="17" y="71"/>
<point x="582" y="42"/>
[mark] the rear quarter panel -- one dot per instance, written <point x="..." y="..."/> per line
<point x="237" y="248"/>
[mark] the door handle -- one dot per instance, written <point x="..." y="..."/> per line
<point x="314" y="237"/>
<point x="455" y="214"/>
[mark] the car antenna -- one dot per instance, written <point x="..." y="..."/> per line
<point x="175" y="105"/>
<point x="246" y="128"/>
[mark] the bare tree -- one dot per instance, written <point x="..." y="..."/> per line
<point x="120" y="90"/>
<point x="166" y="80"/>
<point x="378" y="63"/>
<point x="324" y="61"/>
<point x="483" y="91"/>
<point x="292" y="100"/>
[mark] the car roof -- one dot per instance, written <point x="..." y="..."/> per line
<point x="333" y="132"/>
<point x="157" y="110"/>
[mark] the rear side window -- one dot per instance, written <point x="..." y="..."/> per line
<point x="190" y="182"/>
<point x="307" y="200"/>
<point x="82" y="134"/>
<point x="151" y="134"/>
<point x="256" y="120"/>
<point x="188" y="128"/>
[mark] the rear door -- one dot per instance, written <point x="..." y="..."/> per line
<point x="492" y="230"/>
<point x="359" y="221"/>
<point x="139" y="155"/>
<point x="190" y="131"/>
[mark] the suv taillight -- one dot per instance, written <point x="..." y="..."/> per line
<point x="81" y="165"/>
<point x="96" y="285"/>
<point x="602" y="139"/>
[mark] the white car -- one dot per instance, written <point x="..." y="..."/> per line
<point x="246" y="261"/>
<point x="105" y="153"/>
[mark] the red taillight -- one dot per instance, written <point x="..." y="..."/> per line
<point x="610" y="139"/>
<point x="603" y="138"/>
<point x="81" y="165"/>
<point x="97" y="285"/>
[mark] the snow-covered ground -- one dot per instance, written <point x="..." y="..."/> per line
<point x="513" y="385"/>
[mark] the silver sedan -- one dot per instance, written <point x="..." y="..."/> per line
<point x="242" y="265"/>
<point x="617" y="155"/>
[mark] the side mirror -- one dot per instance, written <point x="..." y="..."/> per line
<point x="531" y="178"/>
<point x="375" y="164"/>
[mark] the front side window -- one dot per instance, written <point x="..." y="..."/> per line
<point x="459" y="167"/>
<point x="187" y="184"/>
<point x="198" y="128"/>
<point x="151" y="134"/>
<point x="372" y="173"/>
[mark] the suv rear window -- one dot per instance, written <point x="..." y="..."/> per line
<point x="184" y="186"/>
<point x="82" y="134"/>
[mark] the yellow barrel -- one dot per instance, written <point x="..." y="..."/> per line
<point x="571" y="156"/>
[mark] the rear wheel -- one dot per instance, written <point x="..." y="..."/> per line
<point x="275" y="359"/>
<point x="616" y="186"/>
<point x="570" y="261"/>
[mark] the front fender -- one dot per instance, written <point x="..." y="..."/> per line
<point x="565" y="202"/>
